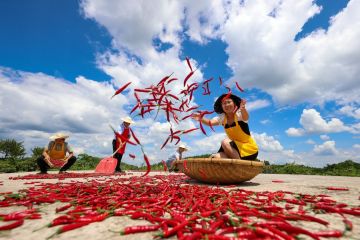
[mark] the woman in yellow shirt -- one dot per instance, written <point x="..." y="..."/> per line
<point x="234" y="117"/>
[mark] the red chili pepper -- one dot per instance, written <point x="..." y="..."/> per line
<point x="227" y="95"/>
<point x="121" y="89"/>
<point x="142" y="90"/>
<point x="296" y="230"/>
<point x="162" y="81"/>
<point x="148" y="166"/>
<point x="333" y="233"/>
<point x="175" y="229"/>
<point x="61" y="220"/>
<point x="188" y="77"/>
<point x="60" y="209"/>
<point x="277" y="181"/>
<point x="348" y="225"/>
<point x="137" y="229"/>
<point x="337" y="188"/>
<point x="171" y="80"/>
<point x="189" y="130"/>
<point x="237" y="85"/>
<point x="72" y="226"/>
<point x="192" y="108"/>
<point x="189" y="64"/>
<point x="206" y="90"/>
<point x="164" y="144"/>
<point x="12" y="225"/>
<point x="134" y="136"/>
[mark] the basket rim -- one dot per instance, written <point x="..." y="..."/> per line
<point x="222" y="161"/>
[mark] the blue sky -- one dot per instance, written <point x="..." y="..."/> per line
<point x="299" y="62"/>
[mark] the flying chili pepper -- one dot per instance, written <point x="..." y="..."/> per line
<point x="188" y="77"/>
<point x="120" y="89"/>
<point x="148" y="166"/>
<point x="134" y="136"/>
<point x="189" y="64"/>
<point x="237" y="85"/>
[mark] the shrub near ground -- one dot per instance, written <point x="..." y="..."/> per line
<point x="12" y="159"/>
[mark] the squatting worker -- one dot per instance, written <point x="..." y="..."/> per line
<point x="54" y="154"/>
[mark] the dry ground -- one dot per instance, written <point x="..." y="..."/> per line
<point x="304" y="184"/>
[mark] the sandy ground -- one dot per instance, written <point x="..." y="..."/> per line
<point x="304" y="184"/>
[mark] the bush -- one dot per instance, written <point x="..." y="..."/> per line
<point x="7" y="167"/>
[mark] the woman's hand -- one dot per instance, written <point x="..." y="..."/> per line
<point x="196" y="116"/>
<point x="242" y="104"/>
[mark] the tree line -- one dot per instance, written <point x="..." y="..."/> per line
<point x="13" y="159"/>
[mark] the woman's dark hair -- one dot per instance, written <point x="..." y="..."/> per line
<point x="217" y="105"/>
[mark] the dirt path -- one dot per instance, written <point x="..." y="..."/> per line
<point x="102" y="230"/>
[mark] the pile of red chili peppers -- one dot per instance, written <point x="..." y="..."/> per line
<point x="174" y="206"/>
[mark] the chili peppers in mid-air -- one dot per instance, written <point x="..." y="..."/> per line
<point x="121" y="89"/>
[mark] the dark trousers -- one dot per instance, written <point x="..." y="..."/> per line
<point x="44" y="166"/>
<point x="118" y="156"/>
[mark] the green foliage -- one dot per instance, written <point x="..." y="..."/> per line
<point x="12" y="156"/>
<point x="26" y="164"/>
<point x="85" y="162"/>
<point x="11" y="149"/>
<point x="37" y="152"/>
<point x="7" y="167"/>
<point x="346" y="168"/>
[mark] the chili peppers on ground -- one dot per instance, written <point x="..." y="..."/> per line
<point x="173" y="207"/>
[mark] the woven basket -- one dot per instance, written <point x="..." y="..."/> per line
<point x="220" y="170"/>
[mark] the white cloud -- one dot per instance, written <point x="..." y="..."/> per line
<point x="265" y="121"/>
<point x="323" y="66"/>
<point x="312" y="122"/>
<point x="295" y="132"/>
<point x="257" y="104"/>
<point x="34" y="105"/>
<point x="327" y="148"/>
<point x="208" y="145"/>
<point x="310" y="141"/>
<point x="324" y="137"/>
<point x="356" y="146"/>
<point x="350" y="111"/>
<point x="271" y="150"/>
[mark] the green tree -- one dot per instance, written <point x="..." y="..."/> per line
<point x="36" y="152"/>
<point x="11" y="149"/>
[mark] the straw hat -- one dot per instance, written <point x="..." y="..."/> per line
<point x="127" y="119"/>
<point x="59" y="135"/>
<point x="218" y="103"/>
<point x="183" y="146"/>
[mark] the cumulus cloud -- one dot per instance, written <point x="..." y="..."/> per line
<point x="324" y="137"/>
<point x="263" y="53"/>
<point x="327" y="148"/>
<point x="356" y="146"/>
<point x="351" y="111"/>
<point x="312" y="122"/>
<point x="272" y="150"/>
<point x="310" y="141"/>
<point x="35" y="105"/>
<point x="257" y="104"/>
